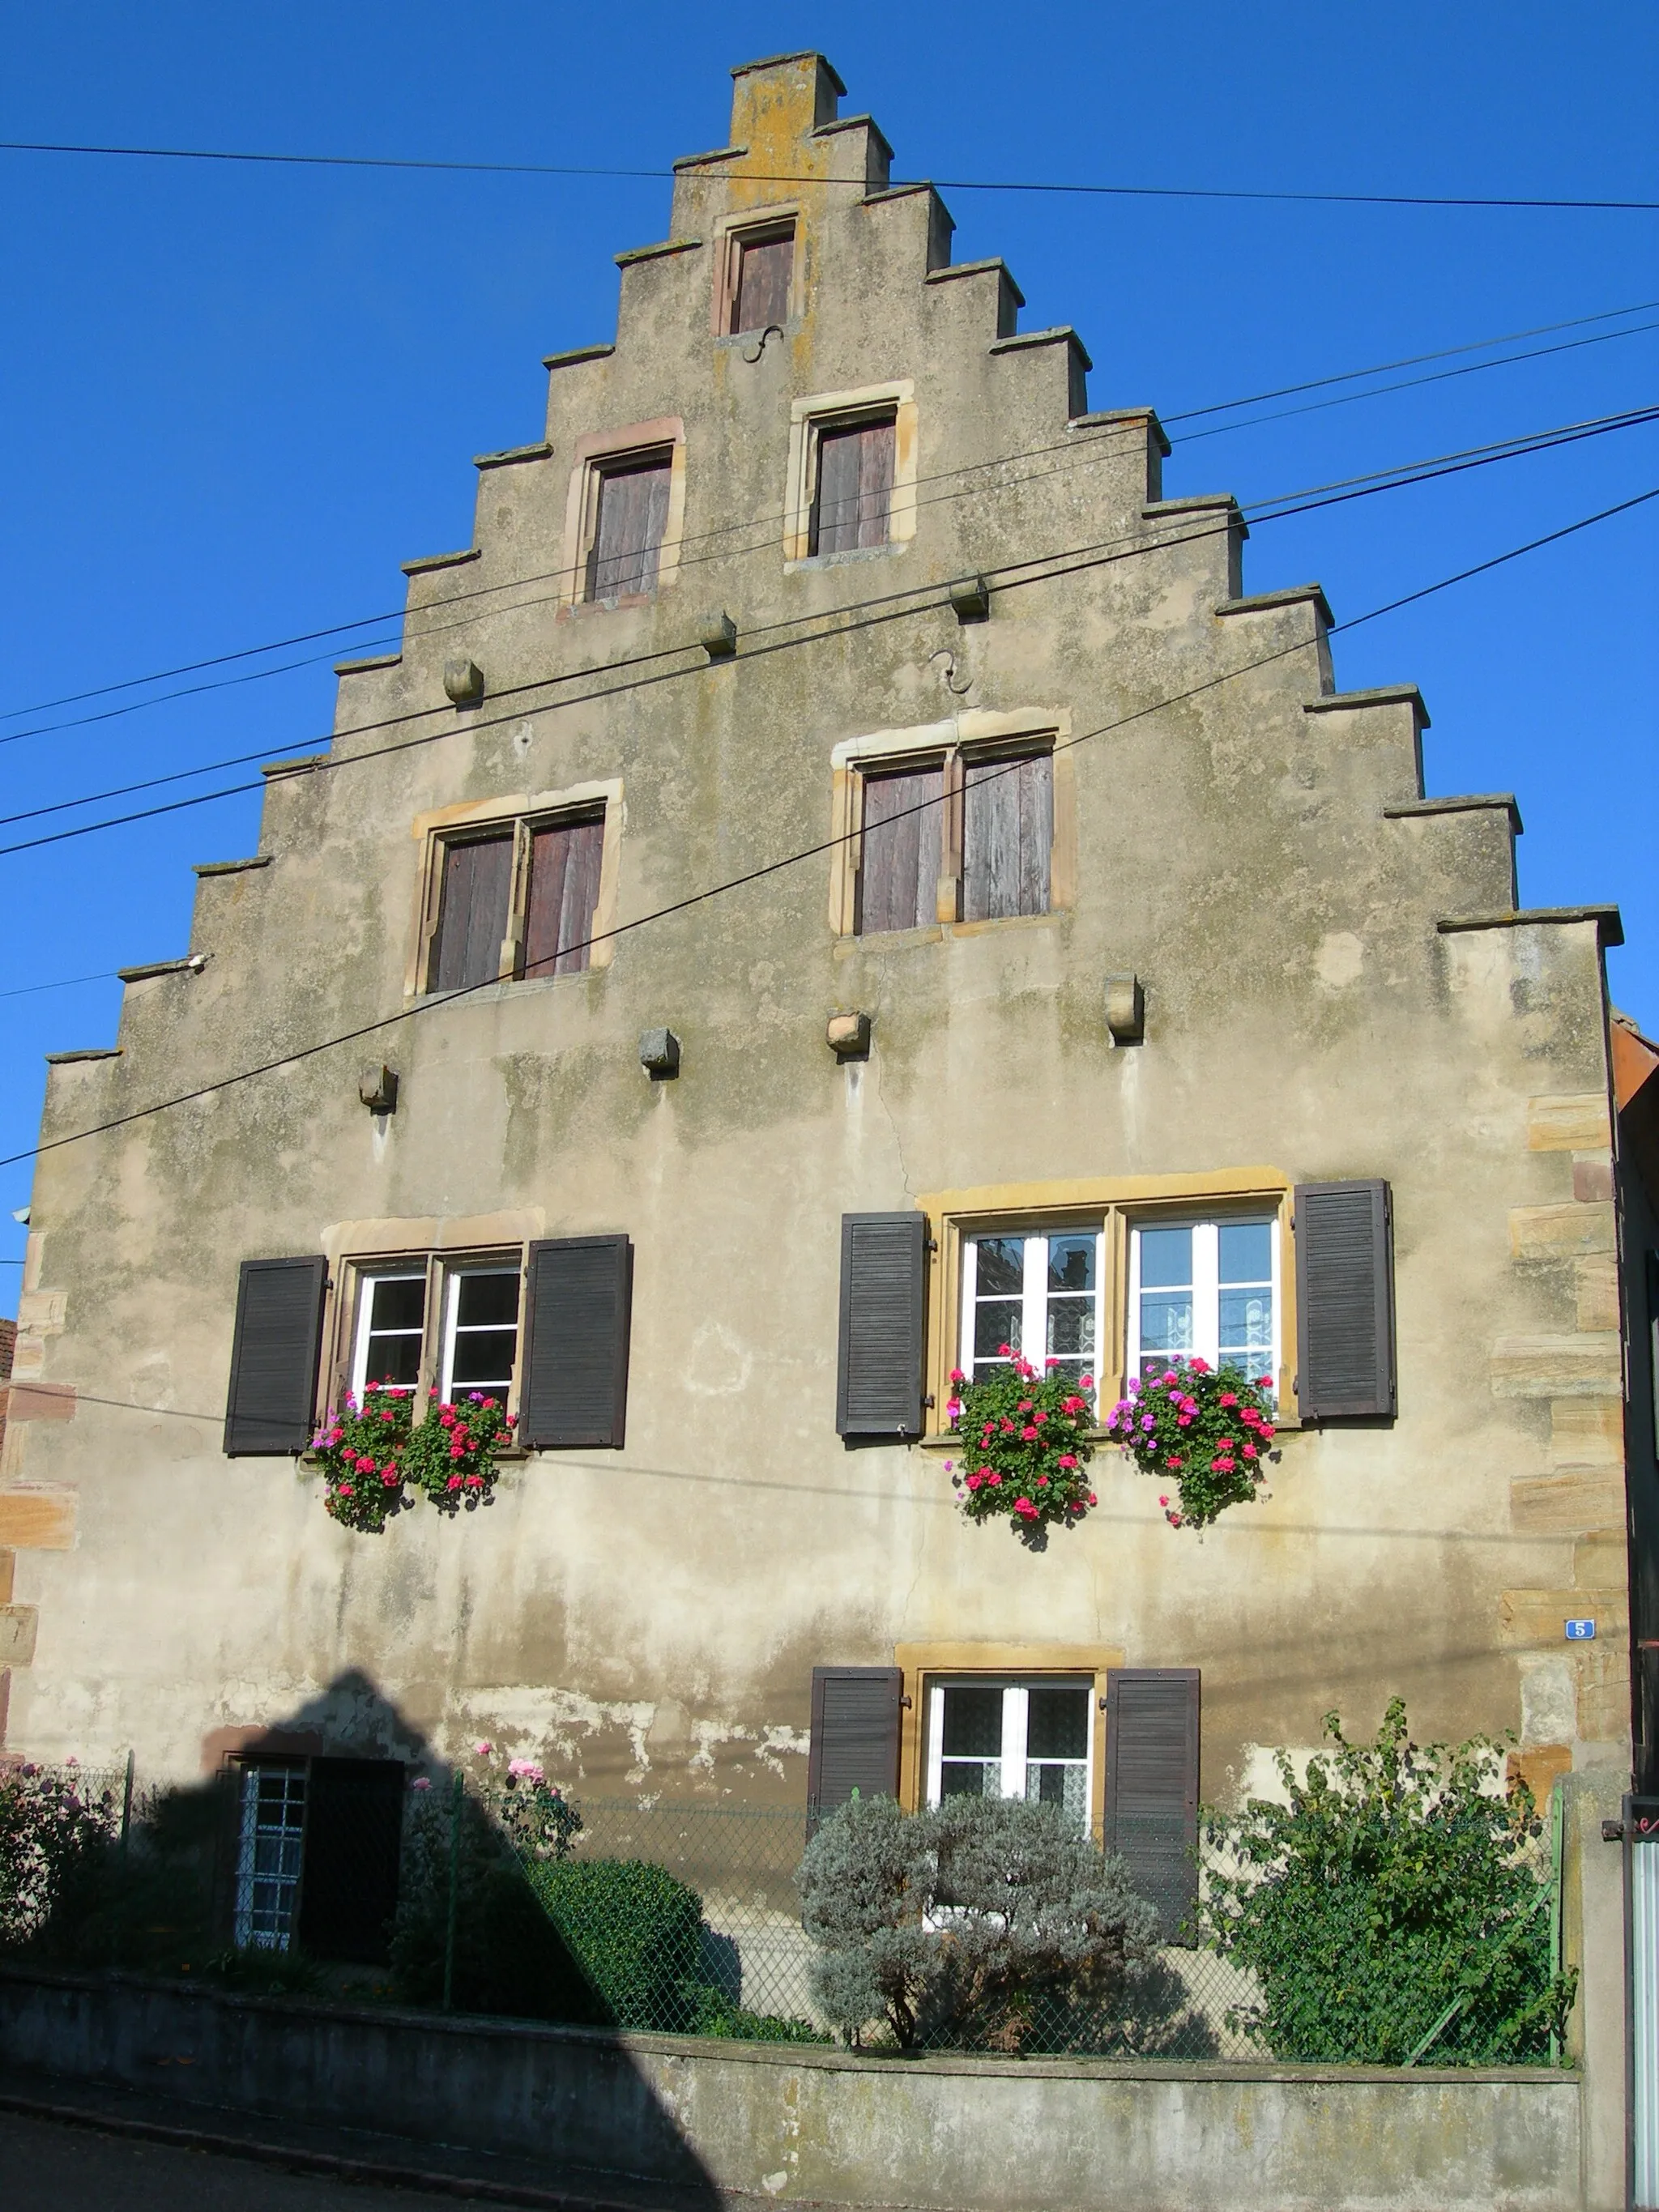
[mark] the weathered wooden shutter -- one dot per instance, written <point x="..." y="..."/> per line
<point x="472" y="920"/>
<point x="353" y="1843"/>
<point x="855" y="497"/>
<point x="564" y="889"/>
<point x="579" y="1291"/>
<point x="1343" y="1300"/>
<point x="884" y="1277"/>
<point x="1151" y="1786"/>
<point x="900" y="849"/>
<point x="629" y="530"/>
<point x="272" y="1404"/>
<point x="1008" y="836"/>
<point x="856" y="1736"/>
<point x="765" y="266"/>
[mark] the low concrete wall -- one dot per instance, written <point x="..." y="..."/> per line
<point x="973" y="2135"/>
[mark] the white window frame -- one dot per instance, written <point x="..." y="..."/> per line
<point x="453" y="1279"/>
<point x="267" y="1897"/>
<point x="1016" y="1711"/>
<point x="366" y="1279"/>
<point x="1034" y="1302"/>
<point x="441" y="1272"/>
<point x="1206" y="1287"/>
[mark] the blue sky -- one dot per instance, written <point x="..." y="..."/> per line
<point x="232" y="399"/>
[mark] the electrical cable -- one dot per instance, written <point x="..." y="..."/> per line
<point x="1276" y="509"/>
<point x="772" y="521"/>
<point x="702" y="172"/>
<point x="436" y="1000"/>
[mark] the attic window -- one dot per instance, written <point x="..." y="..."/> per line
<point x="629" y="520"/>
<point x="762" y="278"/>
<point x="852" y="496"/>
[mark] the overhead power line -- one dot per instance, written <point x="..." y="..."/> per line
<point x="439" y="1001"/>
<point x="773" y="518"/>
<point x="834" y="622"/>
<point x="707" y="171"/>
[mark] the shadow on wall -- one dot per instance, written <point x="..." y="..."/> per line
<point x="331" y="1856"/>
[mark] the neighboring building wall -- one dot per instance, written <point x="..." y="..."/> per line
<point x="1337" y="985"/>
<point x="1636" y="1081"/>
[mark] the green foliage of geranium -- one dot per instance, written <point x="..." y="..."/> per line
<point x="1205" y="1429"/>
<point x="1026" y="1437"/>
<point x="1393" y="1895"/>
<point x="372" y="1454"/>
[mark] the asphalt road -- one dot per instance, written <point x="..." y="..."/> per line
<point x="45" y="2163"/>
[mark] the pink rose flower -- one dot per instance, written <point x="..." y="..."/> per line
<point x="483" y="1750"/>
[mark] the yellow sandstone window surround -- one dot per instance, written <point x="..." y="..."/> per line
<point x="957" y="824"/>
<point x="1114" y="1276"/>
<point x="852" y="482"/>
<point x="517" y="888"/>
<point x="624" y="515"/>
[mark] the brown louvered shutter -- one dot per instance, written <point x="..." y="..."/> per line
<point x="564" y="889"/>
<point x="855" y="497"/>
<point x="900" y="848"/>
<point x="1343" y="1300"/>
<point x="473" y="919"/>
<point x="1008" y="834"/>
<point x="883" y="1274"/>
<point x="766" y="263"/>
<point x="578" y="1294"/>
<point x="856" y="1736"/>
<point x="628" y="533"/>
<point x="1152" y="1787"/>
<point x="272" y="1403"/>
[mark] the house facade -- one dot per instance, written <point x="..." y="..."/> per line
<point x="841" y="875"/>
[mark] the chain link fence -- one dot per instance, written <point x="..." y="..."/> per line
<point x="344" y="1879"/>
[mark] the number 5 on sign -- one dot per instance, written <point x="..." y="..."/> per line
<point x="1580" y="1631"/>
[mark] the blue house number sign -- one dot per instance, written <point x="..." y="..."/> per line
<point x="1580" y="1631"/>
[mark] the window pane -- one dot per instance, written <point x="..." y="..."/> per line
<point x="1066" y="1786"/>
<point x="973" y="1724"/>
<point x="1246" y="1252"/>
<point x="1166" y="1256"/>
<point x="1071" y="1327"/>
<point x="854" y="489"/>
<point x="627" y="532"/>
<point x="962" y="1777"/>
<point x="899" y="864"/>
<point x="1071" y="1262"/>
<point x="996" y="1323"/>
<point x="1008" y="834"/>
<point x="1001" y="1264"/>
<point x="486" y="1300"/>
<point x="398" y="1301"/>
<point x="395" y="1359"/>
<point x="765" y="265"/>
<point x="564" y="890"/>
<point x="396" y="1313"/>
<point x="483" y="1356"/>
<point x="1057" y="1725"/>
<point x="472" y="920"/>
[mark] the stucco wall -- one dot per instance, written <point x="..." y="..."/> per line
<point x="961" y="2134"/>
<point x="649" y="1618"/>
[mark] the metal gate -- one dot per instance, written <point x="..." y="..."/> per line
<point x="1642" y="1919"/>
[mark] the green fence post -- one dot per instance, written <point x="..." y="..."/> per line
<point x="456" y="1793"/>
<point x="126" y="1806"/>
